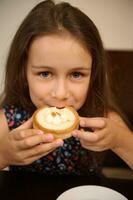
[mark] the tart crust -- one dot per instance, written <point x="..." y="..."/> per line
<point x="58" y="133"/>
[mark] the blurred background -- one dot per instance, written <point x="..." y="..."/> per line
<point x="112" y="17"/>
<point x="114" y="20"/>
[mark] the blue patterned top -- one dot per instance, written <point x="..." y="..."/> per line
<point x="71" y="158"/>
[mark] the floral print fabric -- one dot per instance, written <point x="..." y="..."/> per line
<point x="69" y="159"/>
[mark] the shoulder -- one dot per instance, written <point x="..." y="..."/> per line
<point x="3" y="123"/>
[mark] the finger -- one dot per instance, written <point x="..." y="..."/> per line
<point x="31" y="159"/>
<point x="35" y="140"/>
<point x="86" y="136"/>
<point x="89" y="142"/>
<point x="95" y="122"/>
<point x="38" y="156"/>
<point x="44" y="148"/>
<point x="22" y="134"/>
<point x="99" y="134"/>
<point x="26" y="125"/>
<point x="94" y="148"/>
<point x="98" y="146"/>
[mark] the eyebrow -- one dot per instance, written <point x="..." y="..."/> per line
<point x="52" y="68"/>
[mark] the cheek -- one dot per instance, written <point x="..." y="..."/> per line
<point x="33" y="89"/>
<point x="36" y="91"/>
<point x="84" y="89"/>
<point x="81" y="94"/>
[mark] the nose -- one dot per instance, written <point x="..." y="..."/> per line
<point x="61" y="90"/>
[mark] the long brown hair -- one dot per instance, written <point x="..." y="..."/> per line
<point x="50" y="18"/>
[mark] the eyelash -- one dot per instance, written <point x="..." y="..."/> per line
<point x="47" y="74"/>
<point x="80" y="75"/>
<point x="74" y="75"/>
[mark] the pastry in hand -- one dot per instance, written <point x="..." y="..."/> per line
<point x="58" y="121"/>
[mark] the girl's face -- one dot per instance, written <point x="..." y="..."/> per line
<point x="58" y="72"/>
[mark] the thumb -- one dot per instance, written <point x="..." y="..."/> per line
<point x="27" y="125"/>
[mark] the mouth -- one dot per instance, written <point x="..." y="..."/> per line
<point x="60" y="106"/>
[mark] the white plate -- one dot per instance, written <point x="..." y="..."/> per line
<point x="91" y="192"/>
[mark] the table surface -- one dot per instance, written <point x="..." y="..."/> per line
<point x="34" y="186"/>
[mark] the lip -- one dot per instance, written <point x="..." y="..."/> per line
<point x="60" y="106"/>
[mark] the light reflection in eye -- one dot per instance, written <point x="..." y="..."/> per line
<point x="45" y="74"/>
<point x="77" y="75"/>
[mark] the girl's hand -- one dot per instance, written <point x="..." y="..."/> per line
<point x="109" y="133"/>
<point x="24" y="145"/>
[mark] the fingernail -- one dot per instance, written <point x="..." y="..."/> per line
<point x="74" y="133"/>
<point x="82" y="123"/>
<point x="59" y="142"/>
<point x="50" y="137"/>
<point x="40" y="132"/>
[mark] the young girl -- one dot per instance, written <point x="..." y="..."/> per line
<point x="57" y="59"/>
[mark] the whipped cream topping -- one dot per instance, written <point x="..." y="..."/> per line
<point x="54" y="118"/>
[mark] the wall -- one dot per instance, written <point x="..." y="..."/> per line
<point x="112" y="17"/>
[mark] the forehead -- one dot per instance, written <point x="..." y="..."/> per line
<point x="56" y="49"/>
